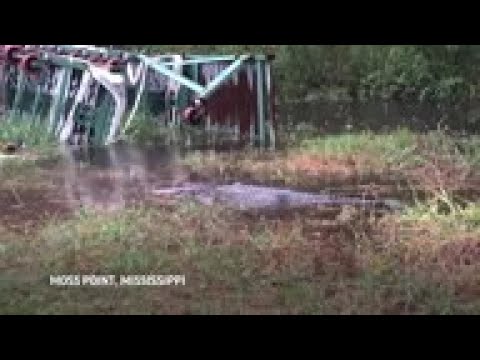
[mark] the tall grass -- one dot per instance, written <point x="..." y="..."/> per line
<point x="467" y="217"/>
<point x="28" y="130"/>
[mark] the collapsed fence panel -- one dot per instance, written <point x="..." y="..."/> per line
<point x="84" y="90"/>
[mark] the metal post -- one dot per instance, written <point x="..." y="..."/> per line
<point x="36" y="101"/>
<point x="3" y="88"/>
<point x="270" y="100"/>
<point x="208" y="128"/>
<point x="195" y="73"/>
<point x="251" y="101"/>
<point x="64" y="95"/>
<point x="21" y="77"/>
<point x="261" y="102"/>
<point x="236" y="115"/>
<point x="59" y="98"/>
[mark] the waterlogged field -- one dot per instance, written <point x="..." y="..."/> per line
<point x="99" y="215"/>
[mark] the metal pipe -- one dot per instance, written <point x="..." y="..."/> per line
<point x="173" y="75"/>
<point x="224" y="75"/>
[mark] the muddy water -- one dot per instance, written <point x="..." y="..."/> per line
<point x="123" y="175"/>
<point x="118" y="176"/>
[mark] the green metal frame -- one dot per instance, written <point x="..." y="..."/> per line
<point x="162" y="69"/>
<point x="262" y="129"/>
<point x="60" y="100"/>
<point x="224" y="75"/>
<point x="20" y="89"/>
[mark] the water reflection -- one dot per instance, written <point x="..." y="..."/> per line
<point x="118" y="176"/>
<point x="113" y="177"/>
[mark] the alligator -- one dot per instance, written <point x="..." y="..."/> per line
<point x="257" y="197"/>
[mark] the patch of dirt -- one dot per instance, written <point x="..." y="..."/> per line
<point x="324" y="240"/>
<point x="459" y="262"/>
<point x="328" y="166"/>
<point x="446" y="259"/>
<point x="25" y="210"/>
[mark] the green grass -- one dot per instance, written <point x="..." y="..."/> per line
<point x="39" y="142"/>
<point x="398" y="148"/>
<point x="467" y="217"/>
<point x="354" y="143"/>
<point x="29" y="130"/>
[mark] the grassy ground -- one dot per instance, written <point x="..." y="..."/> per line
<point x="318" y="261"/>
<point x="300" y="264"/>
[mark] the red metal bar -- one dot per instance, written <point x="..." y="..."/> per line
<point x="8" y="52"/>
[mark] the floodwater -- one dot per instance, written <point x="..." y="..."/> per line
<point x="122" y="175"/>
<point x="118" y="176"/>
